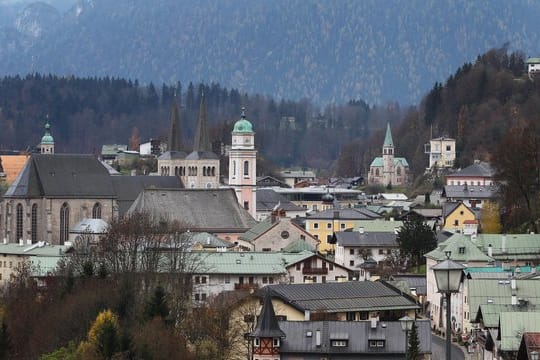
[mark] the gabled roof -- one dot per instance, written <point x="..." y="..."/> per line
<point x="258" y="230"/>
<point x="62" y="176"/>
<point x="298" y="246"/>
<point x="513" y="325"/>
<point x="367" y="239"/>
<point x="305" y="174"/>
<point x="451" y="207"/>
<point x="345" y="296"/>
<point x="173" y="155"/>
<point x="12" y="165"/>
<point x="127" y="188"/>
<point x="417" y="282"/>
<point x="345" y="214"/>
<point x="206" y="240"/>
<point x="533" y="60"/>
<point x="268" y="199"/>
<point x="378" y="225"/>
<point x="461" y="248"/>
<point x="490" y="313"/>
<point x="478" y="169"/>
<point x="210" y="210"/>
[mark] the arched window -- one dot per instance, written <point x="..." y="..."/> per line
<point x="234" y="167"/>
<point x="213" y="171"/>
<point x="246" y="168"/>
<point x="376" y="172"/>
<point x="64" y="223"/>
<point x="34" y="221"/>
<point x="204" y="171"/>
<point x="19" y="222"/>
<point x="96" y="211"/>
<point x="398" y="171"/>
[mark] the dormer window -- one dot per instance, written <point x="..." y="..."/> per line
<point x="376" y="343"/>
<point x="276" y="342"/>
<point x="461" y="250"/>
<point x="339" y="343"/>
<point x="257" y="342"/>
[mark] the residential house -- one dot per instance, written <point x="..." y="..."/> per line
<point x="530" y="342"/>
<point x="292" y="177"/>
<point x="441" y="151"/>
<point x="268" y="201"/>
<point x="109" y="153"/>
<point x="354" y="248"/>
<point x="533" y="67"/>
<point x="460" y="218"/>
<point x="218" y="272"/>
<point x="215" y="211"/>
<point x="416" y="285"/>
<point x="478" y="174"/>
<point x="12" y="164"/>
<point x="322" y="225"/>
<point x="88" y="231"/>
<point x="275" y="233"/>
<point x="474" y="196"/>
<point x="269" y="181"/>
<point x="42" y="258"/>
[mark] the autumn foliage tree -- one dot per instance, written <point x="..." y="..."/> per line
<point x="491" y="218"/>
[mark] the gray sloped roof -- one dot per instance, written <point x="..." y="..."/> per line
<point x="211" y="210"/>
<point x="127" y="188"/>
<point x="62" y="176"/>
<point x="258" y="230"/>
<point x="267" y="199"/>
<point x="470" y="191"/>
<point x="201" y="155"/>
<point x="354" y="238"/>
<point x="357" y="334"/>
<point x="172" y="155"/>
<point x="267" y="324"/>
<point x="417" y="282"/>
<point x="346" y="214"/>
<point x="346" y="296"/>
<point x="479" y="169"/>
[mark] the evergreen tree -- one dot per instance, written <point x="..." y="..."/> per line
<point x="157" y="304"/>
<point x="414" y="344"/>
<point x="415" y="238"/>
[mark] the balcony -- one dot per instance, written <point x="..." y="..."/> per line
<point x="315" y="271"/>
<point x="245" y="286"/>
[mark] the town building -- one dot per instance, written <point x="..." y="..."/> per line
<point x="268" y="201"/>
<point x="460" y="218"/>
<point x="388" y="169"/>
<point x="441" y="151"/>
<point x="533" y="67"/>
<point x="315" y="198"/>
<point x="478" y="174"/>
<point x="293" y="177"/>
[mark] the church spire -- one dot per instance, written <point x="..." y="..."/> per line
<point x="267" y="324"/>
<point x="202" y="143"/>
<point x="388" y="138"/>
<point x="175" y="135"/>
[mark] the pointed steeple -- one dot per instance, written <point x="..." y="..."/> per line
<point x="175" y="135"/>
<point x="201" y="142"/>
<point x="267" y="324"/>
<point x="388" y="138"/>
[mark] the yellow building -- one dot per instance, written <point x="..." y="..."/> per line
<point x="322" y="225"/>
<point x="459" y="218"/>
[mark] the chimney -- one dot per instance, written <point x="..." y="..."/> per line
<point x="5" y="241"/>
<point x="318" y="337"/>
<point x="28" y="242"/>
<point x="396" y="230"/>
<point x="307" y="315"/>
<point x="513" y="284"/>
<point x="361" y="230"/>
<point x="514" y="299"/>
<point x="373" y="323"/>
<point x="503" y="243"/>
<point x="490" y="250"/>
<point x="21" y="242"/>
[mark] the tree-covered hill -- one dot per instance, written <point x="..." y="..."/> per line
<point x="321" y="50"/>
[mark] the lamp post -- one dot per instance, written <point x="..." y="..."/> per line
<point x="534" y="355"/>
<point x="406" y="325"/>
<point x="448" y="278"/>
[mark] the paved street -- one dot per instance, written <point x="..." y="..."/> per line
<point x="438" y="349"/>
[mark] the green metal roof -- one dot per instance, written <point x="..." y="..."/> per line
<point x="461" y="248"/>
<point x="47" y="139"/>
<point x="251" y="262"/>
<point x="299" y="246"/>
<point x="388" y="137"/>
<point x="243" y="125"/>
<point x="491" y="312"/>
<point x="378" y="225"/>
<point x="258" y="230"/>
<point x="378" y="161"/>
<point x="533" y="60"/>
<point x="514" y="325"/>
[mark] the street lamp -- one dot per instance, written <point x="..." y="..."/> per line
<point x="534" y="355"/>
<point x="406" y="325"/>
<point x="448" y="278"/>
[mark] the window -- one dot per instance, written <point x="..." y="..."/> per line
<point x="246" y="168"/>
<point x="342" y="226"/>
<point x="234" y="167"/>
<point x="64" y="223"/>
<point x="96" y="211"/>
<point x="448" y="148"/>
<point x="197" y="297"/>
<point x="298" y="266"/>
<point x="331" y="266"/>
<point x="203" y="279"/>
<point x="315" y="225"/>
<point x="284" y="234"/>
<point x="351" y="251"/>
<point x="351" y="263"/>
<point x="246" y="205"/>
<point x="276" y="342"/>
<point x="364" y="315"/>
<point x="197" y="280"/>
<point x="227" y="280"/>
<point x="19" y="213"/>
<point x="456" y="222"/>
<point x="329" y="225"/>
<point x="291" y="279"/>
<point x="381" y="252"/>
<point x="461" y="249"/>
<point x="338" y="343"/>
<point x="203" y="297"/>
<point x="256" y="342"/>
<point x="34" y="223"/>
<point x="265" y="280"/>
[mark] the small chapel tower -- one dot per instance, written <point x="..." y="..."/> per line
<point x="243" y="164"/>
<point x="388" y="157"/>
<point x="47" y="142"/>
<point x="267" y="334"/>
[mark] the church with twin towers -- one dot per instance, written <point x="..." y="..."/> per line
<point x="200" y="168"/>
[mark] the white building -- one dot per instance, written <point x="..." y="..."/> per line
<point x="533" y="67"/>
<point x="441" y="151"/>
